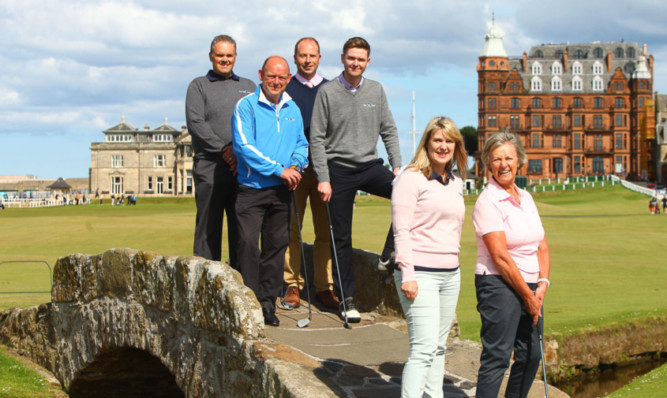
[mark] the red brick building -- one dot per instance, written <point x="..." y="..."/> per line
<point x="580" y="109"/>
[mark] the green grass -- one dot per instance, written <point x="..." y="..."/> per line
<point x="650" y="385"/>
<point x="607" y="252"/>
<point x="20" y="381"/>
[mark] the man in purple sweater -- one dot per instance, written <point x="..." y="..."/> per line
<point x="303" y="88"/>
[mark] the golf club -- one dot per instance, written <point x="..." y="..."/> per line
<point x="302" y="323"/>
<point x="335" y="258"/>
<point x="544" y="367"/>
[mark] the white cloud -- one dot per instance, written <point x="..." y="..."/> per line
<point x="74" y="67"/>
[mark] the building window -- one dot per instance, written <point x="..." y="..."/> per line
<point x="492" y="86"/>
<point x="118" y="138"/>
<point x="620" y="53"/>
<point x="557" y="102"/>
<point x="149" y="183"/>
<point x="556" y="121"/>
<point x="577" y="83"/>
<point x="117" y="185"/>
<point x="536" y="69"/>
<point x="536" y="120"/>
<point x="514" y="103"/>
<point x="160" y="161"/>
<point x="535" y="84"/>
<point x="631" y="52"/>
<point x="577" y="141"/>
<point x="597" y="121"/>
<point x="535" y="166"/>
<point x="598" y="83"/>
<point x="618" y="102"/>
<point x="557" y="141"/>
<point x="597" y="52"/>
<point x="514" y="122"/>
<point x="536" y="141"/>
<point x="576" y="103"/>
<point x="577" y="164"/>
<point x="170" y="183"/>
<point x="492" y="103"/>
<point x="577" y="69"/>
<point x="598" y="68"/>
<point x="537" y="103"/>
<point x="556" y="84"/>
<point x="597" y="102"/>
<point x="597" y="143"/>
<point x="641" y="102"/>
<point x="619" y="120"/>
<point x="116" y="161"/>
<point x="160" y="185"/>
<point x="539" y="54"/>
<point x="162" y="137"/>
<point x="556" y="68"/>
<point x="492" y="121"/>
<point x="188" y="181"/>
<point x="619" y="141"/>
<point x="558" y="165"/>
<point x="598" y="165"/>
<point x="576" y="120"/>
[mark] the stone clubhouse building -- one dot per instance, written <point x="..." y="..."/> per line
<point x="148" y="162"/>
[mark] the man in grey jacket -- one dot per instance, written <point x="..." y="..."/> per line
<point x="349" y="115"/>
<point x="209" y="105"/>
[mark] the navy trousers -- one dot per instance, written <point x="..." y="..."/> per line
<point x="371" y="177"/>
<point x="506" y="326"/>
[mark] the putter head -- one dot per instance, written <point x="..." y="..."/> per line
<point x="347" y="325"/>
<point x="302" y="323"/>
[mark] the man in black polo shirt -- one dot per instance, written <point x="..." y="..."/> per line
<point x="209" y="105"/>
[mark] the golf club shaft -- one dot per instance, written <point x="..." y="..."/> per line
<point x="335" y="258"/>
<point x="303" y="256"/>
<point x="544" y="367"/>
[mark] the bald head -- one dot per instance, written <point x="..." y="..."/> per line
<point x="274" y="76"/>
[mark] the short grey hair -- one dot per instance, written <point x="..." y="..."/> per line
<point x="505" y="136"/>
<point x="220" y="38"/>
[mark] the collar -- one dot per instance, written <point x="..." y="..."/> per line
<point x="440" y="179"/>
<point x="500" y="194"/>
<point x="284" y="98"/>
<point x="347" y="85"/>
<point x="214" y="77"/>
<point x="316" y="80"/>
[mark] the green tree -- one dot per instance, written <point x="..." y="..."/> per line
<point x="470" y="139"/>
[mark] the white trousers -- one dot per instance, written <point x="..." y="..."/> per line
<point x="429" y="317"/>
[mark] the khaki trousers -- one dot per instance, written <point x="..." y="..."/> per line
<point x="322" y="247"/>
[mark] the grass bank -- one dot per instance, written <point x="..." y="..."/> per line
<point x="651" y="385"/>
<point x="608" y="253"/>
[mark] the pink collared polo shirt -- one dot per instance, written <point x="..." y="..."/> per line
<point x="496" y="210"/>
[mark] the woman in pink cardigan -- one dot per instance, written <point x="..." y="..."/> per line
<point x="427" y="212"/>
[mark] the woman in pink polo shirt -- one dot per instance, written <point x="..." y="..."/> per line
<point x="512" y="271"/>
<point x="427" y="212"/>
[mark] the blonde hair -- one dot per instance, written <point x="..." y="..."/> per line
<point x="421" y="161"/>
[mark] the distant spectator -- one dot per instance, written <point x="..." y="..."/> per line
<point x="664" y="203"/>
<point x="652" y="204"/>
<point x="101" y="199"/>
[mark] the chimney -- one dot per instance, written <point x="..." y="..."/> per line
<point x="184" y="130"/>
<point x="146" y="127"/>
<point x="525" y="62"/>
<point x="609" y="61"/>
<point x="565" y="61"/>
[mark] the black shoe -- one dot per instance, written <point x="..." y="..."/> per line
<point x="353" y="315"/>
<point x="270" y="317"/>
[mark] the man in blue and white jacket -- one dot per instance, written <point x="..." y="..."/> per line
<point x="271" y="151"/>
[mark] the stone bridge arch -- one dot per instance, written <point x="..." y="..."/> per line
<point x="193" y="315"/>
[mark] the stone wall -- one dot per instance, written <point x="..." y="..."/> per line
<point x="195" y="316"/>
<point x="568" y="356"/>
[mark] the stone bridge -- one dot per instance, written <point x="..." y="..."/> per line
<point x="128" y="323"/>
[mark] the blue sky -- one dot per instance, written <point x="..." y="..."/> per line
<point x="70" y="69"/>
